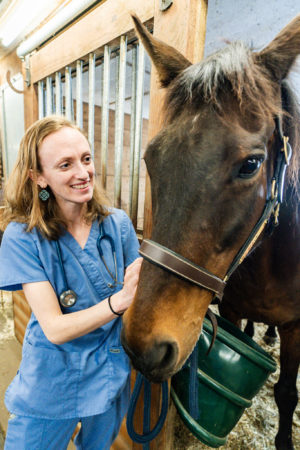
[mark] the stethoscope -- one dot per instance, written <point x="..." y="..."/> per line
<point x="68" y="297"/>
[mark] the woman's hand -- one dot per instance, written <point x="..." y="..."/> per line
<point x="123" y="299"/>
<point x="60" y="328"/>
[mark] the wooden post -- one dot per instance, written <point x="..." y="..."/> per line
<point x="30" y="100"/>
<point x="183" y="26"/>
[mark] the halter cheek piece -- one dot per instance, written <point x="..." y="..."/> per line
<point x="183" y="268"/>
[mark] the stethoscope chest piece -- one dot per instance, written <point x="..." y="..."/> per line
<point x="68" y="298"/>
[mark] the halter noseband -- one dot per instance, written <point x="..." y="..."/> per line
<point x="178" y="265"/>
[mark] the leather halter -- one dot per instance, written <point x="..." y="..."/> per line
<point x="178" y="265"/>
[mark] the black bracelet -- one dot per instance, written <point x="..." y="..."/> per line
<point x="111" y="308"/>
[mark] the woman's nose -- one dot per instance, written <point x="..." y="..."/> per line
<point x="82" y="171"/>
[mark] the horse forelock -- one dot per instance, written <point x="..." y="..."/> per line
<point x="233" y="71"/>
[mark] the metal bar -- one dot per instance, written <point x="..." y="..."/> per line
<point x="49" y="95"/>
<point x="132" y="122"/>
<point x="41" y="99"/>
<point x="68" y="93"/>
<point x="105" y="115"/>
<point x="91" y="123"/>
<point x="138" y="134"/>
<point x="58" y="96"/>
<point x="119" y="123"/>
<point x="79" y="111"/>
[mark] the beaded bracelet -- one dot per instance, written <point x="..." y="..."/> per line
<point x="111" y="308"/>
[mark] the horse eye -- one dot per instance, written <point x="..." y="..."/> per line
<point x="249" y="167"/>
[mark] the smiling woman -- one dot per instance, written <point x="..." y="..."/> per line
<point x="55" y="153"/>
<point x="53" y="221"/>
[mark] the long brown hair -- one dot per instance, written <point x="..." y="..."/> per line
<point x="22" y="202"/>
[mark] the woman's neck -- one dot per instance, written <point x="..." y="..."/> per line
<point x="74" y="215"/>
<point x="76" y="223"/>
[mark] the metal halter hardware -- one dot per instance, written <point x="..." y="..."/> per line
<point x="178" y="265"/>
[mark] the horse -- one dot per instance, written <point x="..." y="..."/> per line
<point x="227" y="118"/>
<point x="269" y="337"/>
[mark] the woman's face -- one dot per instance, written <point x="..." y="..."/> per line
<point x="67" y="167"/>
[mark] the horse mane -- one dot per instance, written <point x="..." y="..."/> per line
<point x="235" y="72"/>
<point x="291" y="127"/>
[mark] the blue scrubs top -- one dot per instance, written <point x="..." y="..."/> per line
<point x="84" y="376"/>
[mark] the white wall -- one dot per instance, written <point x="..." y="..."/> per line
<point x="12" y="121"/>
<point x="255" y="22"/>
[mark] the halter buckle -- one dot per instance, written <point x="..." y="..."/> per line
<point x="285" y="149"/>
<point x="274" y="189"/>
<point x="276" y="214"/>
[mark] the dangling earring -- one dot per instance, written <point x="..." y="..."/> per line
<point x="44" y="195"/>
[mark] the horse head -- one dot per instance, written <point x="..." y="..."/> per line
<point x="210" y="169"/>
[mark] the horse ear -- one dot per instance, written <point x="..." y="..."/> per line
<point x="168" y="61"/>
<point x="280" y="54"/>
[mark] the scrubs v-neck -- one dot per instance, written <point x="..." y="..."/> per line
<point x="82" y="377"/>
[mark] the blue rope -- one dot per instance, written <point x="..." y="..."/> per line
<point x="194" y="385"/>
<point x="148" y="435"/>
<point x="147" y="412"/>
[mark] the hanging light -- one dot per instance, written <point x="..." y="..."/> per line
<point x="21" y="17"/>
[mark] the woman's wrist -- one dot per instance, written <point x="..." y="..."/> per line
<point x="113" y="308"/>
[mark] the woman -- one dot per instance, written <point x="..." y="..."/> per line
<point x="59" y="236"/>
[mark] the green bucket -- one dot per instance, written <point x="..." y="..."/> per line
<point x="229" y="377"/>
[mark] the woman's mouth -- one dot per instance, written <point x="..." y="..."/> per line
<point x="81" y="186"/>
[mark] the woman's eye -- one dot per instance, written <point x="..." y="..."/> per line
<point x="249" y="167"/>
<point x="64" y="166"/>
<point x="88" y="159"/>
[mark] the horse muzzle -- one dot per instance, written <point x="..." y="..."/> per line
<point x="157" y="362"/>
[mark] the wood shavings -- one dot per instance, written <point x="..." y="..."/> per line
<point x="6" y="316"/>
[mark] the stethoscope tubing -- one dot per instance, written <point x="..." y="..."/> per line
<point x="68" y="297"/>
<point x="58" y="250"/>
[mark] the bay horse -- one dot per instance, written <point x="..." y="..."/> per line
<point x="211" y="170"/>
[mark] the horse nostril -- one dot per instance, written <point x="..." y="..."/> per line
<point x="156" y="362"/>
<point x="162" y="355"/>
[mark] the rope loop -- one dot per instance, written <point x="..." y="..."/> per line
<point x="148" y="435"/>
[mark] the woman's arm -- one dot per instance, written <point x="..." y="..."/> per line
<point x="60" y="328"/>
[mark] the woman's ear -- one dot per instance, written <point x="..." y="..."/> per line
<point x="31" y="175"/>
<point x="37" y="178"/>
